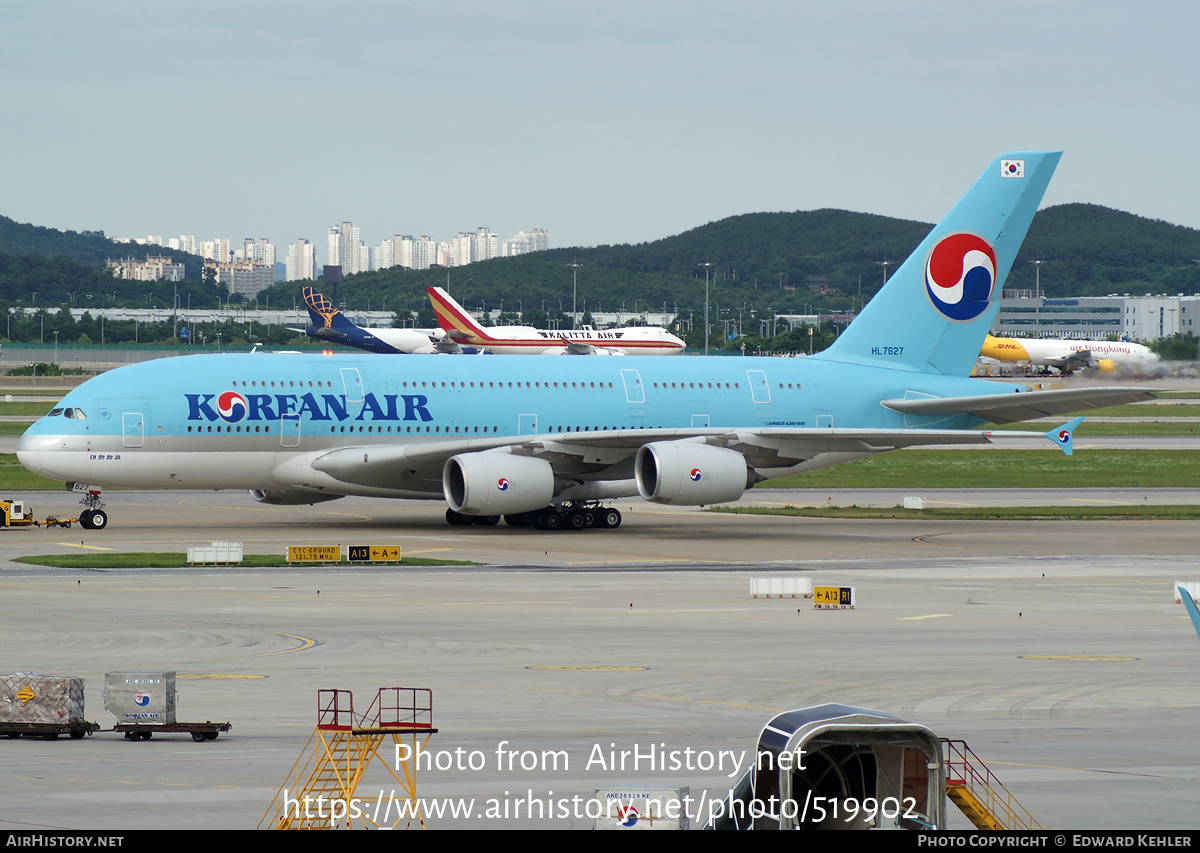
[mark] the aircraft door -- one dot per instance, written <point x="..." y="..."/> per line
<point x="352" y="384"/>
<point x="289" y="431"/>
<point x="133" y="429"/>
<point x="526" y="424"/>
<point x="634" y="391"/>
<point x="700" y="421"/>
<point x="760" y="391"/>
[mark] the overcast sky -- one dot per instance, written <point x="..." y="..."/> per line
<point x="604" y="122"/>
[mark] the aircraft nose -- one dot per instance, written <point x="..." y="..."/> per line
<point x="33" y="450"/>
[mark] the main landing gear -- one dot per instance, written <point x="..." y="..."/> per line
<point x="573" y="516"/>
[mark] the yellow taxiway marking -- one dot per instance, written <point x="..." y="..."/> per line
<point x="583" y="692"/>
<point x="88" y="547"/>
<point x="1099" y="501"/>
<point x="213" y="676"/>
<point x="930" y="616"/>
<point x="306" y="643"/>
<point x="924" y="540"/>
<point x="1093" y="770"/>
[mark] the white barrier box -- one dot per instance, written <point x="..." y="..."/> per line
<point x="217" y="552"/>
<point x="782" y="587"/>
<point x="1192" y="588"/>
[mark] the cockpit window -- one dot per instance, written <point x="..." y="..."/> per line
<point x="68" y="413"/>
<point x="80" y="415"/>
<point x="55" y="412"/>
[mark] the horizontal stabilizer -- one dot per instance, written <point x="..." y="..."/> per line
<point x="1023" y="406"/>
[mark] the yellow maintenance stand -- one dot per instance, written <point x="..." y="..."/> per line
<point x="977" y="792"/>
<point x="319" y="792"/>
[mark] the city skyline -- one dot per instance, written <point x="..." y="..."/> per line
<point x="345" y="248"/>
<point x="605" y="123"/>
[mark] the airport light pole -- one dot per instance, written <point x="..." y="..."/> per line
<point x="885" y="263"/>
<point x="574" y="292"/>
<point x="707" y="266"/>
<point x="1037" y="296"/>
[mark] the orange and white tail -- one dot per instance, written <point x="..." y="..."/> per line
<point x="454" y="319"/>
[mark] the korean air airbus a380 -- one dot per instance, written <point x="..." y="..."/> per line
<point x="543" y="440"/>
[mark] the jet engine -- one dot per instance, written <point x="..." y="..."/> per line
<point x="497" y="483"/>
<point x="688" y="473"/>
<point x="281" y="497"/>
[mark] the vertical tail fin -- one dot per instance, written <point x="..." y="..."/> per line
<point x="453" y="318"/>
<point x="933" y="313"/>
<point x="323" y="313"/>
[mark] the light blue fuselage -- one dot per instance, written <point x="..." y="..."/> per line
<point x="160" y="424"/>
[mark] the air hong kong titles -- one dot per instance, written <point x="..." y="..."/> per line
<point x="232" y="407"/>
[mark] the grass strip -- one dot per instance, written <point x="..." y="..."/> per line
<point x="999" y="513"/>
<point x="1005" y="469"/>
<point x="175" y="560"/>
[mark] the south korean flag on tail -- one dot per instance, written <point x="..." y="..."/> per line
<point x="1012" y="168"/>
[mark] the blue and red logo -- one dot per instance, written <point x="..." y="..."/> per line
<point x="502" y="484"/>
<point x="1064" y="436"/>
<point x="141" y="698"/>
<point x="627" y="815"/>
<point x="960" y="274"/>
<point x="231" y="406"/>
<point x="696" y="474"/>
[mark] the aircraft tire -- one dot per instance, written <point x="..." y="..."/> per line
<point x="576" y="520"/>
<point x="454" y="519"/>
<point x="549" y="519"/>
<point x="610" y="518"/>
<point x="486" y="520"/>
<point x="98" y="521"/>
<point x="85" y="519"/>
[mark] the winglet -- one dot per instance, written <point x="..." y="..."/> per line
<point x="1192" y="612"/>
<point x="1062" y="435"/>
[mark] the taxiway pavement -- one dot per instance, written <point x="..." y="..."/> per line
<point x="1053" y="648"/>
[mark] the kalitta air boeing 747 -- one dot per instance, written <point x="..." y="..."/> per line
<point x="544" y="440"/>
<point x="459" y="333"/>
<point x="460" y="327"/>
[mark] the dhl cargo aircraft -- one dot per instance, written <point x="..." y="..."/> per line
<point x="1068" y="356"/>
<point x="459" y="326"/>
<point x="544" y="441"/>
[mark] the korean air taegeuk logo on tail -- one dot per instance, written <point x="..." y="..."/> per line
<point x="960" y="273"/>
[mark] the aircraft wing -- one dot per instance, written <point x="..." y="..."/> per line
<point x="1023" y="406"/>
<point x="1077" y="360"/>
<point x="608" y="455"/>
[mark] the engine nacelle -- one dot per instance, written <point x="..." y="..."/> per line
<point x="688" y="473"/>
<point x="492" y="483"/>
<point x="281" y="497"/>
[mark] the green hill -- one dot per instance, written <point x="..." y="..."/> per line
<point x="50" y="268"/>
<point x="762" y="262"/>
